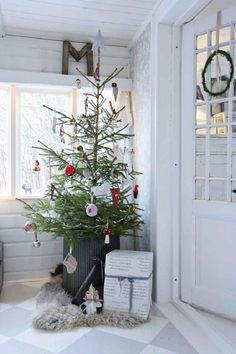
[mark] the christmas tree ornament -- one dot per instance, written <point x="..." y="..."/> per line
<point x="62" y="133"/>
<point x="30" y="226"/>
<point x="87" y="173"/>
<point x="98" y="41"/>
<point x="70" y="262"/>
<point x="36" y="166"/>
<point x="78" y="83"/>
<point x="36" y="242"/>
<point x="91" y="210"/>
<point x="69" y="170"/>
<point x="135" y="191"/>
<point x="80" y="148"/>
<point x="114" y="90"/>
<point x="115" y="196"/>
<point x="107" y="233"/>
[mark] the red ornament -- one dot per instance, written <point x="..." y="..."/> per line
<point x="135" y="191"/>
<point x="107" y="233"/>
<point x="115" y="196"/>
<point x="69" y="170"/>
<point x="114" y="84"/>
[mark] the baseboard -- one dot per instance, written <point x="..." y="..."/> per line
<point x="223" y="343"/>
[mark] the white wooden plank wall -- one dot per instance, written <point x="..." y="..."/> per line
<point x="41" y="55"/>
<point x="21" y="259"/>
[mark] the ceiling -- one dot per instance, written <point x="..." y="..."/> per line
<point x="75" y="20"/>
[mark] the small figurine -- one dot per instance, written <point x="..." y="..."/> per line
<point x="92" y="301"/>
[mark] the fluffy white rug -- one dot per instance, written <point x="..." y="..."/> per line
<point x="55" y="313"/>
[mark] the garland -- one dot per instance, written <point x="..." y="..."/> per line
<point x="208" y="62"/>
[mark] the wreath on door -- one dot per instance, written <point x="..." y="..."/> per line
<point x="225" y="79"/>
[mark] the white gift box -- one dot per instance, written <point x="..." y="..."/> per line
<point x="128" y="282"/>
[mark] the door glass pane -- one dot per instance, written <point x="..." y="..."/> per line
<point x="224" y="35"/>
<point x="218" y="151"/>
<point x="200" y="62"/>
<point x="4" y="169"/>
<point x="219" y="113"/>
<point x="201" y="114"/>
<point x="38" y="123"/>
<point x="218" y="190"/>
<point x="200" y="189"/>
<point x="200" y="155"/>
<point x="202" y="41"/>
<point x="233" y="174"/>
<point x="234" y="112"/>
<point x="233" y="190"/>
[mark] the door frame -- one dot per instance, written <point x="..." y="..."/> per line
<point x="166" y="21"/>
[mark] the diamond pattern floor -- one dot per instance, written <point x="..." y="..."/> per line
<point x="17" y="336"/>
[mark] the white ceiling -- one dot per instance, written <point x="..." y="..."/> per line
<point x="76" y="20"/>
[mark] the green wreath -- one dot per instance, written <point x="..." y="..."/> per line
<point x="208" y="62"/>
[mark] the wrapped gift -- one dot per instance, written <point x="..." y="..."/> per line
<point x="128" y="282"/>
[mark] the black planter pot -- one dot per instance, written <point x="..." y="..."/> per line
<point x="85" y="251"/>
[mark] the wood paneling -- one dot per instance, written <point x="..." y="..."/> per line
<point x="118" y="20"/>
<point x="46" y="56"/>
<point x="21" y="259"/>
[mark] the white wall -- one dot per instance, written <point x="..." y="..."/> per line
<point x="41" y="55"/>
<point x="21" y="259"/>
<point x="141" y="95"/>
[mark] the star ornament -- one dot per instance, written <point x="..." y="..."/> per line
<point x="98" y="41"/>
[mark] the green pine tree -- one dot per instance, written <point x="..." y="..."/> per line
<point x="90" y="155"/>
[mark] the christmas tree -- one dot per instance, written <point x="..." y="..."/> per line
<point x="88" y="197"/>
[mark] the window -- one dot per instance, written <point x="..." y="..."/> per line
<point x="38" y="123"/>
<point x="24" y="121"/>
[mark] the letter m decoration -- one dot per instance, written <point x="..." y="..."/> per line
<point x="68" y="49"/>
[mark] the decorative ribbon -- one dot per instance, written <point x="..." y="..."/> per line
<point x="218" y="24"/>
<point x="131" y="281"/>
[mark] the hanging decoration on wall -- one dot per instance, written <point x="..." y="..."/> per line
<point x="222" y="82"/>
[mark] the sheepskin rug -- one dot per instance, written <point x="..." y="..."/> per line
<point x="56" y="313"/>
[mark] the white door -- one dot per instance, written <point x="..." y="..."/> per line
<point x="208" y="231"/>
